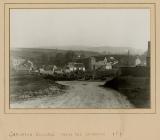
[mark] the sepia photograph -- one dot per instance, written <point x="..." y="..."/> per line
<point x="80" y="58"/>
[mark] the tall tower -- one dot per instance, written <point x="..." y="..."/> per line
<point x="92" y="63"/>
<point x="148" y="54"/>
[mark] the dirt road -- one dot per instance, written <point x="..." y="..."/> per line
<point x="81" y="94"/>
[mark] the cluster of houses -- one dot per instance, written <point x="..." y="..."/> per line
<point x="102" y="63"/>
<point x="20" y="64"/>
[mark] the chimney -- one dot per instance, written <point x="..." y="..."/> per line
<point x="148" y="54"/>
<point x="149" y="48"/>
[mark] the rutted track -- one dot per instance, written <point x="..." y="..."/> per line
<point x="81" y="94"/>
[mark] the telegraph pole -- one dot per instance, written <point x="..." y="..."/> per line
<point x="128" y="58"/>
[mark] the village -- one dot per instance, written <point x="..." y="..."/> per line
<point x="88" y="68"/>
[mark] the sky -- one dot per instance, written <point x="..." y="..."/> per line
<point x="79" y="28"/>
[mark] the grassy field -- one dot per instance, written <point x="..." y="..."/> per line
<point x="24" y="86"/>
<point x="136" y="89"/>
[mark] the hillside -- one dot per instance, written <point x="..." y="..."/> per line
<point x="48" y="56"/>
<point x="35" y="52"/>
<point x="116" y="50"/>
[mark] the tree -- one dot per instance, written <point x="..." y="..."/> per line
<point x="59" y="59"/>
<point x="82" y="55"/>
<point x="69" y="56"/>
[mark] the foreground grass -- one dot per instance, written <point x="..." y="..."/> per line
<point x="24" y="86"/>
<point x="136" y="89"/>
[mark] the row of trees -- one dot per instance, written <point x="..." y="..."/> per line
<point x="58" y="59"/>
<point x="62" y="59"/>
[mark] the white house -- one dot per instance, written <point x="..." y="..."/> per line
<point x="137" y="61"/>
<point x="72" y="66"/>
